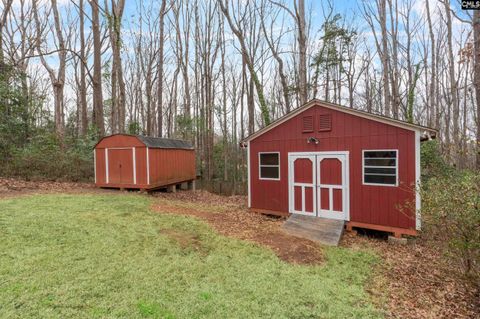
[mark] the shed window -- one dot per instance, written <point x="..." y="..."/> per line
<point x="307" y="124"/>
<point x="325" y="122"/>
<point x="380" y="167"/>
<point x="269" y="165"/>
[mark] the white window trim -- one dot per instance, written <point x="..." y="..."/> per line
<point x="260" y="166"/>
<point x="396" y="168"/>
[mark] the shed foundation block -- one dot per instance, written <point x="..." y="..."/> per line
<point x="184" y="186"/>
<point x="172" y="188"/>
<point x="397" y="240"/>
<point x="191" y="185"/>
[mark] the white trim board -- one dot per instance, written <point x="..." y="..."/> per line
<point x="249" y="178"/>
<point x="148" y="165"/>
<point x="418" y="200"/>
<point x="95" y="164"/>
<point x="344" y="109"/>
<point x="134" y="155"/>
<point x="107" y="180"/>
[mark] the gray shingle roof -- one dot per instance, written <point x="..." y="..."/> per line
<point x="160" y="142"/>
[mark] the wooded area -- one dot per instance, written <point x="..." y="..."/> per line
<point x="213" y="72"/>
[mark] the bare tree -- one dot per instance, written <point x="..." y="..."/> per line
<point x="163" y="10"/>
<point x="3" y="19"/>
<point x="432" y="95"/>
<point x="237" y="30"/>
<point x="98" y="116"/>
<point x="298" y="15"/>
<point x="274" y="45"/>
<point x="118" y="83"/>
<point x="381" y="44"/>
<point x="82" y="89"/>
<point x="476" y="81"/>
<point x="57" y="77"/>
<point x="453" y="90"/>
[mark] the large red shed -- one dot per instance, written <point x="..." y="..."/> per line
<point x="330" y="161"/>
<point x="142" y="162"/>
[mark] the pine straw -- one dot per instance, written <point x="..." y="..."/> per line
<point x="415" y="281"/>
<point x="11" y="187"/>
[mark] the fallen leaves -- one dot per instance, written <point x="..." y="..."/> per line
<point x="419" y="283"/>
<point x="15" y="187"/>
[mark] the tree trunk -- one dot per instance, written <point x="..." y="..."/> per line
<point x="97" y="70"/>
<point x="57" y="78"/>
<point x="281" y="71"/>
<point x="433" y="72"/>
<point x="118" y="83"/>
<point x="160" y="70"/>
<point x="253" y="75"/>
<point x="385" y="56"/>
<point x="3" y="21"/>
<point x="476" y="79"/>
<point x="452" y="79"/>
<point x="83" y="118"/>
<point x="302" y="49"/>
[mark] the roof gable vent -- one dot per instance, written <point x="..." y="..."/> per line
<point x="307" y="124"/>
<point x="325" y="122"/>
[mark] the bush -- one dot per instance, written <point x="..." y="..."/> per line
<point x="44" y="157"/>
<point x="432" y="162"/>
<point x="451" y="216"/>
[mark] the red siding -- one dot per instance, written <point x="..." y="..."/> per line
<point x="166" y="166"/>
<point x="368" y="204"/>
<point x="141" y="161"/>
<point x="120" y="166"/>
<point x="170" y="166"/>
<point x="100" y="166"/>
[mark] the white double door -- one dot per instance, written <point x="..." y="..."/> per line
<point x="318" y="184"/>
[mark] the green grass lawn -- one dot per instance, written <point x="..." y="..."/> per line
<point x="110" y="256"/>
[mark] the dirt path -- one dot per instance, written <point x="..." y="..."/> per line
<point x="230" y="217"/>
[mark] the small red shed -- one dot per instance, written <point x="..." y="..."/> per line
<point x="330" y="161"/>
<point x="142" y="162"/>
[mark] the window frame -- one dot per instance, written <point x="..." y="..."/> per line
<point x="369" y="166"/>
<point x="260" y="167"/>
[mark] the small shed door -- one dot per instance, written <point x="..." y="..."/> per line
<point x="318" y="184"/>
<point x="120" y="166"/>
<point x="332" y="188"/>
<point x="302" y="193"/>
